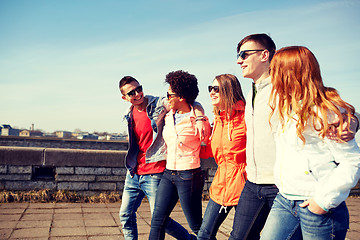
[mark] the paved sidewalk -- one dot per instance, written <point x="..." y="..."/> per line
<point x="83" y="221"/>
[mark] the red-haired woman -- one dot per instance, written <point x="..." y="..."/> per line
<point x="314" y="174"/>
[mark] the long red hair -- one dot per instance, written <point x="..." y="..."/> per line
<point x="298" y="89"/>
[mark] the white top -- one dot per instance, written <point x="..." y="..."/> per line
<point x="260" y="144"/>
<point x="321" y="169"/>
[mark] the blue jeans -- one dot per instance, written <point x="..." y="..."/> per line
<point x="214" y="216"/>
<point x="252" y="210"/>
<point x="286" y="216"/>
<point x="135" y="189"/>
<point x="184" y="185"/>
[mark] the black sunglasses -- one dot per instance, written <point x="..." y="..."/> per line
<point x="244" y="54"/>
<point x="132" y="92"/>
<point x="170" y="95"/>
<point x="216" y="89"/>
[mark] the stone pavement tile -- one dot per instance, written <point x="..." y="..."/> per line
<point x="352" y="235"/>
<point x="39" y="210"/>
<point x="9" y="217"/>
<point x="120" y="237"/>
<point x="221" y="236"/>
<point x="94" y="205"/>
<point x="168" y="237"/>
<point x="36" y="217"/>
<point x="68" y="232"/>
<point x="68" y="223"/>
<point x="42" y="205"/>
<point x="62" y="216"/>
<point x="37" y="238"/>
<point x="68" y="210"/>
<point x="95" y="210"/>
<point x="34" y="224"/>
<point x="7" y="224"/>
<point x="96" y="231"/>
<point x="145" y="235"/>
<point x="97" y="216"/>
<point x="144" y="207"/>
<point x="115" y="215"/>
<point x="176" y="215"/>
<point x="24" y="233"/>
<point x="143" y="224"/>
<point x="145" y="214"/>
<point x="353" y="204"/>
<point x="100" y="223"/>
<point x="14" y="205"/>
<point x="69" y="238"/>
<point x="114" y="205"/>
<point x="5" y="233"/>
<point x="114" y="209"/>
<point x="12" y="210"/>
<point x="355" y="218"/>
<point x="68" y="205"/>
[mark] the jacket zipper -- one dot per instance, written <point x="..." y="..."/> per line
<point x="253" y="139"/>
<point x="185" y="145"/>
<point x="222" y="153"/>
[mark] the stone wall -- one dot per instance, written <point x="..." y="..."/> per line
<point x="46" y="142"/>
<point x="83" y="171"/>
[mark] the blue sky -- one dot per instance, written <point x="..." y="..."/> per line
<point x="60" y="61"/>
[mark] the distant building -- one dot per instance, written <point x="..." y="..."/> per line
<point x="36" y="133"/>
<point x="24" y="133"/>
<point x="50" y="135"/>
<point x="30" y="133"/>
<point x="87" y="136"/>
<point x="118" y="137"/>
<point x="63" y="134"/>
<point x="7" y="130"/>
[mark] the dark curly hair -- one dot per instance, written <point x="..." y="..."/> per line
<point x="183" y="84"/>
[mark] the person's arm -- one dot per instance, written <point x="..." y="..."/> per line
<point x="335" y="188"/>
<point x="202" y="122"/>
<point x="348" y="130"/>
<point x="313" y="206"/>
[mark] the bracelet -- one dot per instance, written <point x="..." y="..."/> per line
<point x="201" y="118"/>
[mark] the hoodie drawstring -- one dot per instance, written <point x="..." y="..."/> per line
<point x="229" y="134"/>
<point x="212" y="131"/>
<point x="223" y="207"/>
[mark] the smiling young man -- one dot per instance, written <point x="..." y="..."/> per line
<point x="254" y="55"/>
<point x="145" y="160"/>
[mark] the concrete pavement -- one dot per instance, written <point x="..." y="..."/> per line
<point x="85" y="221"/>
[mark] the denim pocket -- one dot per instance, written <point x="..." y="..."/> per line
<point x="186" y="175"/>
<point x="320" y="215"/>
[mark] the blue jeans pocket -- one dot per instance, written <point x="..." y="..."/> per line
<point x="334" y="222"/>
<point x="315" y="214"/>
<point x="186" y="175"/>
